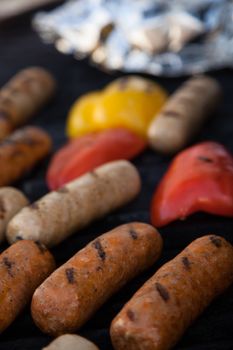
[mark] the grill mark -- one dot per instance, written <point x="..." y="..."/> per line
<point x="4" y="116"/>
<point x="205" y="159"/>
<point x="131" y="315"/>
<point x="2" y="209"/>
<point x="31" y="141"/>
<point x="70" y="275"/>
<point x="162" y="291"/>
<point x="98" y="246"/>
<point x="34" y="206"/>
<point x="9" y="142"/>
<point x="216" y="241"/>
<point x="15" y="153"/>
<point x="123" y="83"/>
<point x="94" y="174"/>
<point x="186" y="262"/>
<point x="27" y="83"/>
<point x="9" y="264"/>
<point x="171" y="114"/>
<point x="149" y="88"/>
<point x="63" y="190"/>
<point x="18" y="238"/>
<point x="41" y="246"/>
<point x="133" y="233"/>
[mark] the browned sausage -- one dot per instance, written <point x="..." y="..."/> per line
<point x="163" y="308"/>
<point x="23" y="267"/>
<point x="71" y="295"/>
<point x="22" y="96"/>
<point x="21" y="151"/>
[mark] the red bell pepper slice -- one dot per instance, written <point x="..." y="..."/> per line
<point x="90" y="151"/>
<point x="199" y="178"/>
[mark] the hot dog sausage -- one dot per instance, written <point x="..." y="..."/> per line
<point x="23" y="267"/>
<point x="60" y="213"/>
<point x="71" y="342"/>
<point x="22" y="96"/>
<point x="163" y="308"/>
<point x="183" y="114"/>
<point x="71" y="295"/>
<point x="21" y="151"/>
<point x="11" y="201"/>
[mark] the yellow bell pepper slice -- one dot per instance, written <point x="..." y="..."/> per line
<point x="80" y="119"/>
<point x="130" y="102"/>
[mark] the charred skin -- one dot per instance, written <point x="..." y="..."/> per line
<point x="60" y="213"/>
<point x="166" y="305"/>
<point x="21" y="151"/>
<point x="23" y="96"/>
<point x="23" y="267"/>
<point x="11" y="202"/>
<point x="184" y="114"/>
<point x="72" y="294"/>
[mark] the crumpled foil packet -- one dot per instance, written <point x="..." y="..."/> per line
<point x="159" y="37"/>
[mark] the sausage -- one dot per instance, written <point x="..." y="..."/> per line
<point x="163" y="308"/>
<point x="21" y="151"/>
<point x="71" y="342"/>
<point x="72" y="294"/>
<point x="11" y="201"/>
<point x="183" y="114"/>
<point x="60" y="213"/>
<point x="23" y="267"/>
<point x="22" y="96"/>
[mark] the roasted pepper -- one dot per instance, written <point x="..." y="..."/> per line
<point x="90" y="151"/>
<point x="130" y="102"/>
<point x="200" y="178"/>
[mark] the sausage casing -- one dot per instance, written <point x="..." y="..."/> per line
<point x="162" y="309"/>
<point x="183" y="114"/>
<point x="11" y="201"/>
<point x="21" y="151"/>
<point x="71" y="295"/>
<point x="60" y="213"/>
<point x="23" y="266"/>
<point x="22" y="96"/>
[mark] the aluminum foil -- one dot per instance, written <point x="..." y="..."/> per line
<point x="160" y="37"/>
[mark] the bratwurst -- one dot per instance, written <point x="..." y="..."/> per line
<point x="22" y="96"/>
<point x="60" y="213"/>
<point x="72" y="294"/>
<point x="23" y="267"/>
<point x="163" y="308"/>
<point x="21" y="151"/>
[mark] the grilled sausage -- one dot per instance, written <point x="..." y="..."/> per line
<point x="21" y="151"/>
<point x="163" y="308"/>
<point x="60" y="213"/>
<point x="70" y="342"/>
<point x="22" y="96"/>
<point x="71" y="295"/>
<point x="11" y="201"/>
<point x="23" y="267"/>
<point x="183" y="114"/>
